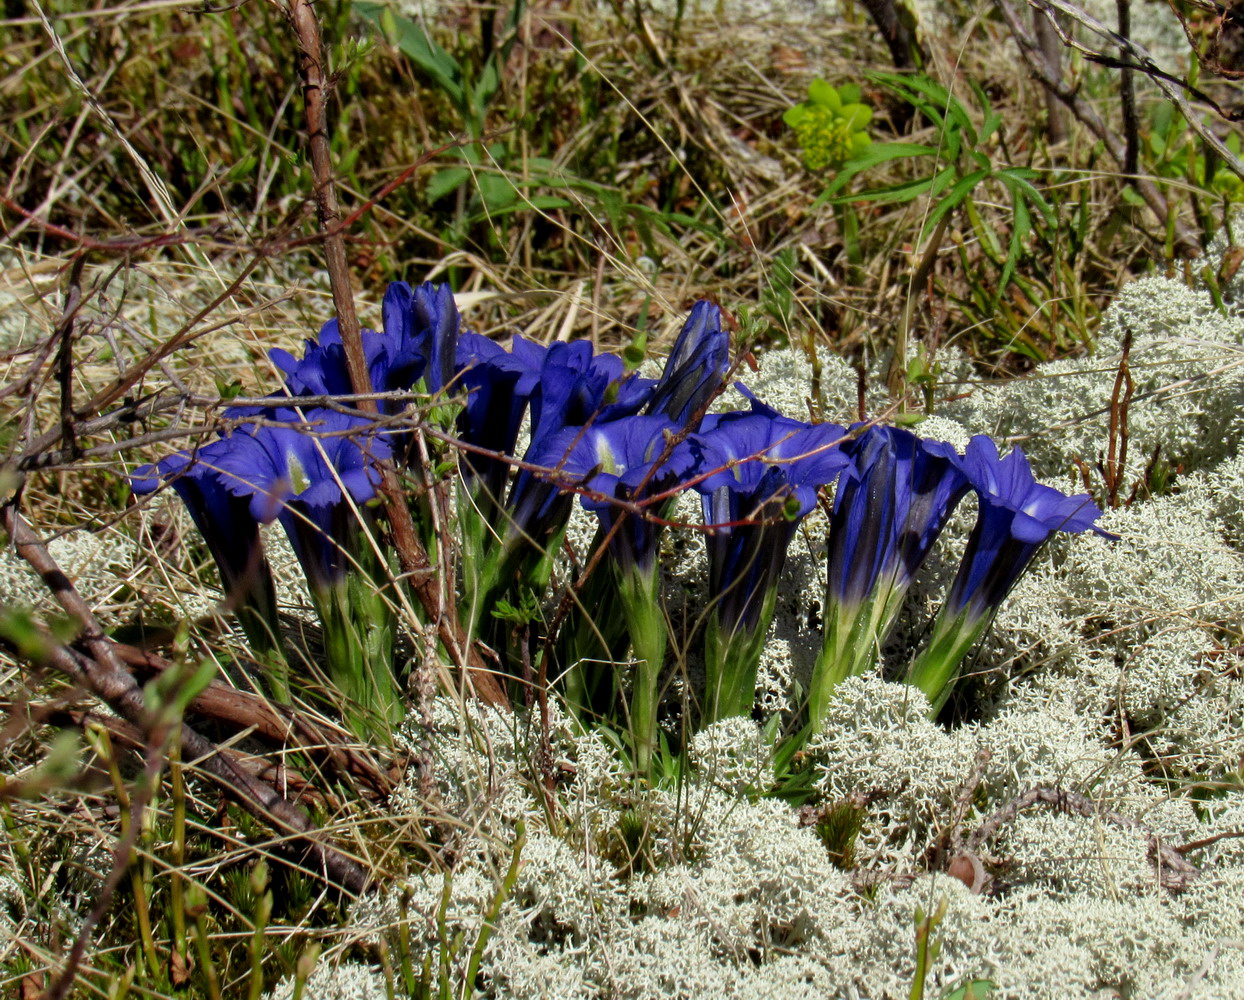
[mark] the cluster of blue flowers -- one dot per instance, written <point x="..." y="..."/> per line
<point x="625" y="445"/>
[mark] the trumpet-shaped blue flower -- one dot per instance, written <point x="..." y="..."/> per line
<point x="419" y="341"/>
<point x="764" y="462"/>
<point x="618" y="464"/>
<point x="695" y="368"/>
<point x="768" y="470"/>
<point x="321" y="371"/>
<point x="621" y="465"/>
<point x="1015" y="518"/>
<point x="223" y="519"/>
<point x="564" y="385"/>
<point x="576" y="387"/>
<point x="316" y="475"/>
<point x="424" y="321"/>
<point x="891" y="505"/>
<point x="302" y="477"/>
<point x="493" y="414"/>
<point x="231" y="533"/>
<point x="1017" y="514"/>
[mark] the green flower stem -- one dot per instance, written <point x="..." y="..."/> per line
<point x="588" y="645"/>
<point x="358" y="647"/>
<point x="936" y="667"/>
<point x="731" y="661"/>
<point x="852" y="642"/>
<point x="499" y="567"/>
<point x="481" y="563"/>
<point x="257" y="615"/>
<point x="645" y="619"/>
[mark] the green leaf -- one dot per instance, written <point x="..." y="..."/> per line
<point x="849" y="93"/>
<point x="444" y="181"/>
<point x="485" y="88"/>
<point x="419" y="48"/>
<point x="990" y="125"/>
<point x="495" y="191"/>
<point x="954" y="142"/>
<point x="857" y="116"/>
<point x="932" y="100"/>
<point x="1016" y="180"/>
<point x="1019" y="231"/>
<point x="957" y="193"/>
<point x="793" y="116"/>
<point x="820" y="92"/>
<point x="976" y="989"/>
<point x="901" y="192"/>
<point x="876" y="154"/>
<point x="1132" y="198"/>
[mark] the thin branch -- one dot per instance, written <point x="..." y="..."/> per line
<point x="1030" y="50"/>
<point x="1127" y="86"/>
<point x="1171" y="86"/>
<point x="1175" y="872"/>
<point x="414" y="559"/>
<point x="102" y="672"/>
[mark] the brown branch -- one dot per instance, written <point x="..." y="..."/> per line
<point x="1120" y="404"/>
<point x="1069" y="94"/>
<point x="895" y="22"/>
<point x="1174" y="871"/>
<point x="102" y="672"/>
<point x="154" y="742"/>
<point x="1052" y="50"/>
<point x="1127" y="92"/>
<point x="428" y="586"/>
<point x="277" y="724"/>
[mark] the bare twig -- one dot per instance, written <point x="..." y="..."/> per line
<point x="414" y="560"/>
<point x="1170" y="85"/>
<point x="101" y="671"/>
<point x="279" y="725"/>
<point x="155" y="744"/>
<point x="1127" y="92"/>
<point x="1120" y="405"/>
<point x="1031" y="52"/>
<point x="1052" y="50"/>
<point x="895" y="23"/>
<point x="1175" y="872"/>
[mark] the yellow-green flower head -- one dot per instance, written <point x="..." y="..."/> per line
<point x="832" y="126"/>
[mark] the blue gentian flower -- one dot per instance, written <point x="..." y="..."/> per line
<point x="891" y="505"/>
<point x="1016" y="516"/>
<point x="419" y="341"/>
<point x="232" y="536"/>
<point x="316" y="473"/>
<point x="769" y="470"/>
<point x="392" y="366"/>
<point x="302" y="476"/>
<point x="634" y="460"/>
<point x="223" y="519"/>
<point x="695" y="368"/>
<point x="576" y="387"/>
<point x="424" y="320"/>
<point x="493" y="414"/>
<point x="621" y="460"/>
<point x="563" y="385"/>
<point x="768" y="462"/>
